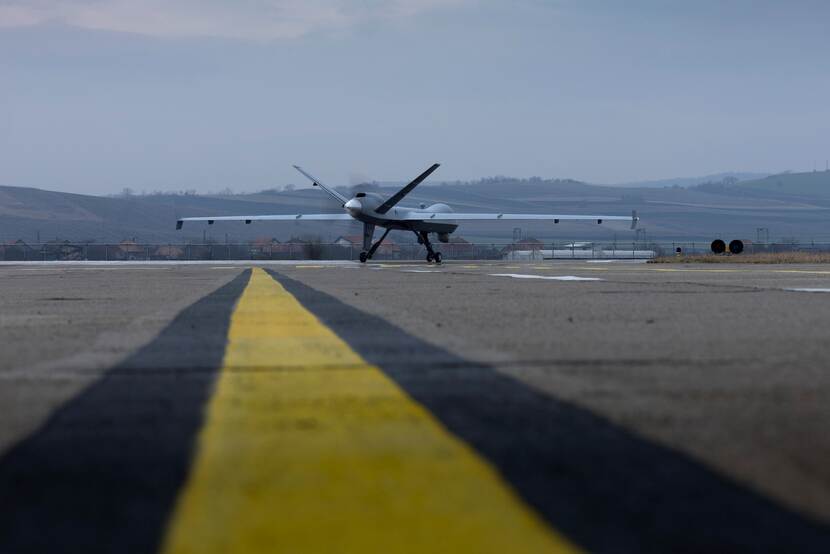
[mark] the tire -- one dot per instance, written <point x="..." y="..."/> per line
<point x="438" y="257"/>
<point x="363" y="257"/>
<point x="429" y="258"/>
<point x="718" y="246"/>
<point x="736" y="246"/>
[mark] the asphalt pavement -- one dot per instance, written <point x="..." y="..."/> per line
<point x="626" y="406"/>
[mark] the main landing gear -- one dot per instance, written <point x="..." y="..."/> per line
<point x="432" y="255"/>
<point x="423" y="238"/>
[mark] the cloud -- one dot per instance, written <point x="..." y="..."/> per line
<point x="241" y="19"/>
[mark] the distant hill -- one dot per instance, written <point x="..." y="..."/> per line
<point x="799" y="207"/>
<point x="692" y="181"/>
<point x="28" y="213"/>
<point x="814" y="183"/>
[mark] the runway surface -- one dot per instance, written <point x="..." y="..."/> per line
<point x="333" y="407"/>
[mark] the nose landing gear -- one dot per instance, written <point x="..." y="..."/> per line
<point x="368" y="255"/>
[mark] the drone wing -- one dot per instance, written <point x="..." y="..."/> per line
<point x="416" y="215"/>
<point x="249" y="218"/>
<point x="318" y="183"/>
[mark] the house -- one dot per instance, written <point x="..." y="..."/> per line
<point x="294" y="247"/>
<point x="168" y="252"/>
<point x="459" y="248"/>
<point x="17" y="251"/>
<point x="128" y="250"/>
<point x="264" y="247"/>
<point x="271" y="248"/>
<point x="523" y="245"/>
<point x="388" y="247"/>
<point x="350" y="241"/>
<point x="62" y="250"/>
<point x="525" y="249"/>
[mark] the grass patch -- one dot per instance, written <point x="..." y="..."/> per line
<point x="758" y="258"/>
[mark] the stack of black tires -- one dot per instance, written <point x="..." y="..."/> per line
<point x="735" y="247"/>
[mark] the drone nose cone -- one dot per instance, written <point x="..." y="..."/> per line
<point x="353" y="205"/>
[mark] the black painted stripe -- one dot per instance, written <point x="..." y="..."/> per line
<point x="602" y="486"/>
<point x="102" y="474"/>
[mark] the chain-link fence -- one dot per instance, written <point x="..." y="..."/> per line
<point x="518" y="251"/>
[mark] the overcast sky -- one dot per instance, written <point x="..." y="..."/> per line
<point x="97" y="95"/>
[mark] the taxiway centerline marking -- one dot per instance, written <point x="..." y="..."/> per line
<point x="323" y="460"/>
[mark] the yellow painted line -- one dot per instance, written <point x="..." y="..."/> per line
<point x="327" y="454"/>
<point x="806" y="271"/>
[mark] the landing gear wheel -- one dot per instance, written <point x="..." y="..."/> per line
<point x="363" y="257"/>
<point x="429" y="258"/>
<point x="437" y="257"/>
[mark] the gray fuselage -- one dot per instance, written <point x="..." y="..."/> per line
<point x="362" y="207"/>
